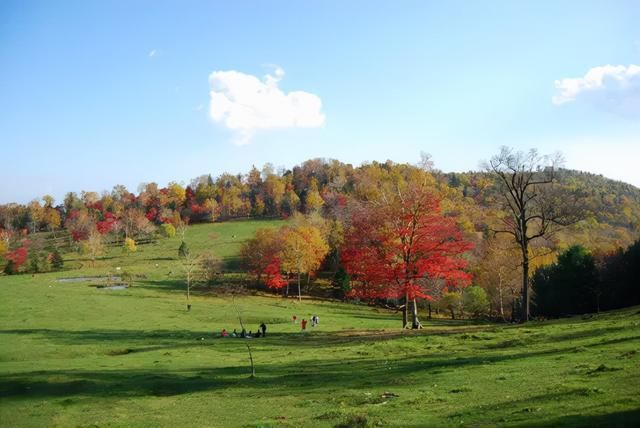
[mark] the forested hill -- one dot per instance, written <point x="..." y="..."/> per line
<point x="612" y="208"/>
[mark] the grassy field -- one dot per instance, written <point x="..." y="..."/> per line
<point x="72" y="354"/>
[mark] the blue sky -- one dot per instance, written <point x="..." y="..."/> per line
<point x="95" y="94"/>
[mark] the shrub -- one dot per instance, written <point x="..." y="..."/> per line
<point x="10" y="268"/>
<point x="451" y="301"/>
<point x="183" y="250"/>
<point x="210" y="267"/>
<point x="130" y="246"/>
<point x="55" y="258"/>
<point x="474" y="301"/>
<point x="168" y="230"/>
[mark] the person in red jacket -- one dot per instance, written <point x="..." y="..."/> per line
<point x="304" y="324"/>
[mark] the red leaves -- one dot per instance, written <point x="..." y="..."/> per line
<point x="17" y="256"/>
<point x="152" y="214"/>
<point x="274" y="278"/>
<point x="78" y="235"/>
<point x="400" y="247"/>
<point x="105" y="226"/>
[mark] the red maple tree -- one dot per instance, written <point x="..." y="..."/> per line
<point x="273" y="274"/>
<point x="398" y="247"/>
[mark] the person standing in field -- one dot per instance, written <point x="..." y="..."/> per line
<point x="263" y="328"/>
<point x="303" y="324"/>
<point x="294" y="318"/>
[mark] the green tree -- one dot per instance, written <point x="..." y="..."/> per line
<point x="474" y="301"/>
<point x="183" y="250"/>
<point x="569" y="286"/>
<point x="56" y="259"/>
<point x="451" y="301"/>
<point x="341" y="283"/>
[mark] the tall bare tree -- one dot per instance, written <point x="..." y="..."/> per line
<point x="190" y="265"/>
<point x="534" y="207"/>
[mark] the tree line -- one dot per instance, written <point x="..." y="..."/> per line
<point x="401" y="232"/>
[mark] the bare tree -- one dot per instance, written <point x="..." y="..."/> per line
<point x="533" y="206"/>
<point x="235" y="306"/>
<point x="190" y="265"/>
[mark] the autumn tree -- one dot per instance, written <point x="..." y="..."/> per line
<point x="168" y="230"/>
<point x="533" y="208"/>
<point x="93" y="246"/>
<point x="399" y="239"/>
<point x="260" y="251"/>
<point x="497" y="270"/>
<point x="135" y="223"/>
<point x="129" y="246"/>
<point x="312" y="200"/>
<point x="303" y="249"/>
<point x="80" y="224"/>
<point x="273" y="274"/>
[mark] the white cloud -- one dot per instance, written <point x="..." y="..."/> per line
<point x="245" y="104"/>
<point x="615" y="88"/>
<point x="153" y="53"/>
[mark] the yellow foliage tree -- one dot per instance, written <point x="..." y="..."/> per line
<point x="303" y="249"/>
<point x="130" y="245"/>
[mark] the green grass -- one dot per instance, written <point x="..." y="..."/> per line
<point x="157" y="260"/>
<point x="75" y="355"/>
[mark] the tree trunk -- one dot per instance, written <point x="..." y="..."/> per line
<point x="524" y="316"/>
<point x="253" y="368"/>
<point x="500" y="300"/>
<point x="453" y="314"/>
<point x="405" y="319"/>
<point x="299" y="294"/>
<point x="415" y="322"/>
<point x="429" y="310"/>
<point x="188" y="291"/>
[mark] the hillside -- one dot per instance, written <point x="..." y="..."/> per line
<point x="75" y="355"/>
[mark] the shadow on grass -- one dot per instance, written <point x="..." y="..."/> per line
<point x="298" y="377"/>
<point x="177" y="284"/>
<point x="622" y="419"/>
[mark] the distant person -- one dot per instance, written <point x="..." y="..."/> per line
<point x="250" y="335"/>
<point x="304" y="324"/>
<point x="295" y="319"/>
<point x="313" y="321"/>
<point x="243" y="333"/>
<point x="224" y="333"/>
<point x="257" y="334"/>
<point x="235" y="333"/>
<point x="263" y="328"/>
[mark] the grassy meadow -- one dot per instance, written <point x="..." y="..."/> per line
<point x="72" y="354"/>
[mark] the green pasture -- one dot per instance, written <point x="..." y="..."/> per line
<point x="73" y="355"/>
